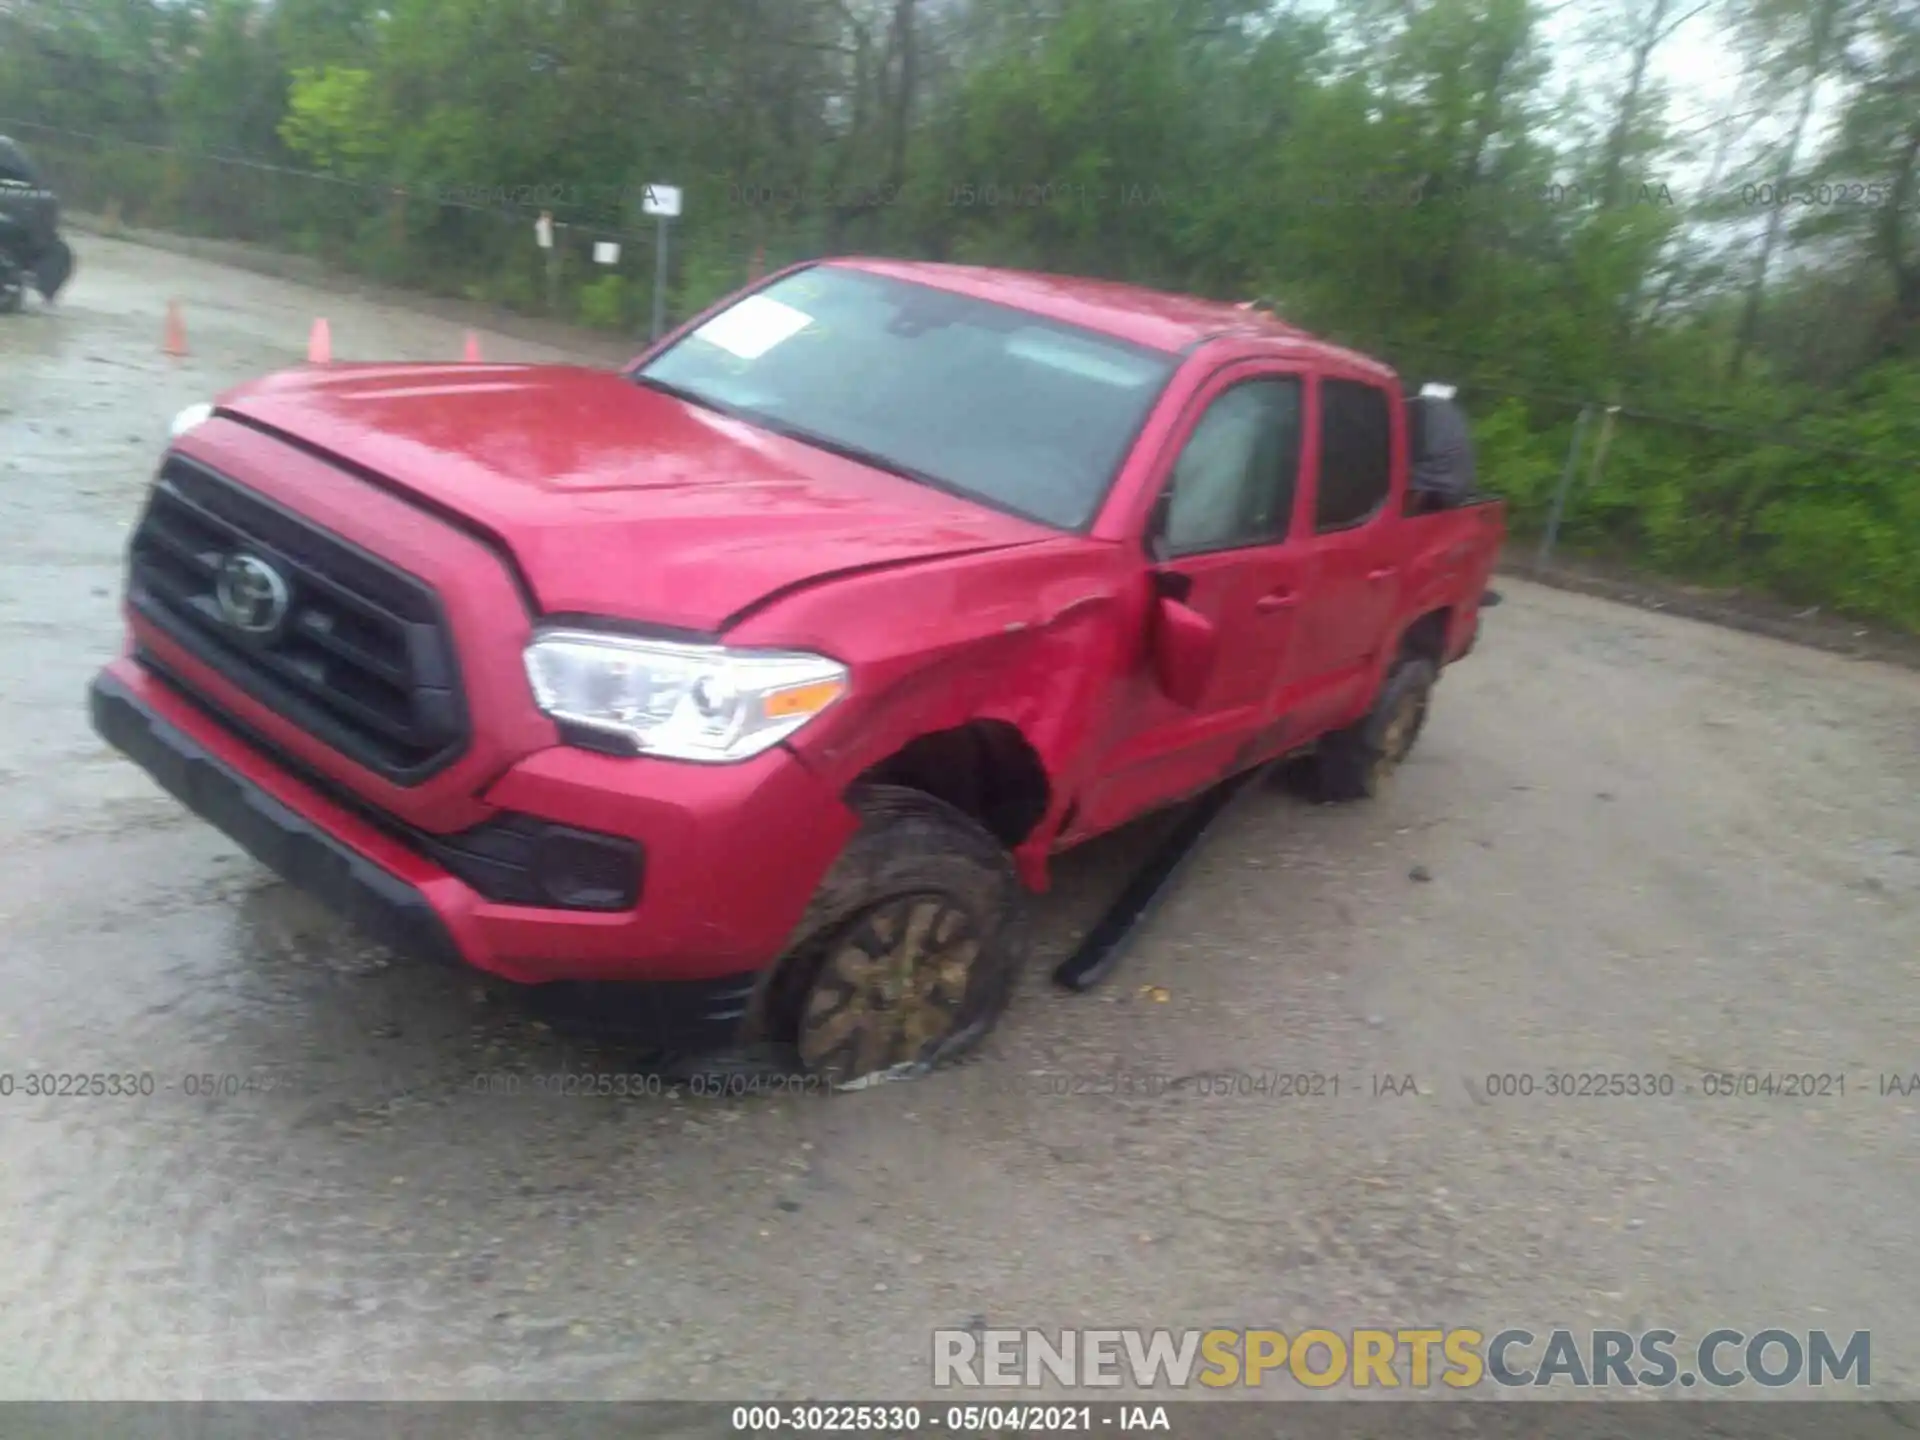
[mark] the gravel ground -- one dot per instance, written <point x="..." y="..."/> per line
<point x="1628" y="843"/>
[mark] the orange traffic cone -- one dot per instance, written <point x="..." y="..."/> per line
<point x="473" y="348"/>
<point x="320" y="344"/>
<point x="173" y="340"/>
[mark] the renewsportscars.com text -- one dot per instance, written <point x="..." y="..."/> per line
<point x="1459" y="1358"/>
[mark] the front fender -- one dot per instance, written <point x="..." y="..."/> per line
<point x="1029" y="638"/>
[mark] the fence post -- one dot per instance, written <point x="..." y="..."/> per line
<point x="1600" y="447"/>
<point x="1566" y="482"/>
<point x="549" y="258"/>
<point x="659" y="283"/>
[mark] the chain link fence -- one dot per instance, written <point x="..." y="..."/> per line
<point x="433" y="239"/>
<point x="1791" y="508"/>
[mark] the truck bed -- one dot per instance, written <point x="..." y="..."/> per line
<point x="1450" y="557"/>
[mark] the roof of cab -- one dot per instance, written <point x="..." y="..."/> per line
<point x="1150" y="318"/>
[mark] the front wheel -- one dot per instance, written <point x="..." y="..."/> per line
<point x="911" y="948"/>
<point x="1355" y="763"/>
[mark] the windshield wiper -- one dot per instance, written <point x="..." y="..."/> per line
<point x="691" y="397"/>
<point x="857" y="453"/>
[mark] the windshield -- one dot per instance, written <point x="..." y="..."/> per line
<point x="981" y="399"/>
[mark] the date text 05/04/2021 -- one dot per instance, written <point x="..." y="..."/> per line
<point x="146" y="1084"/>
<point x="724" y="1084"/>
<point x="1782" y="1084"/>
<point x="959" y="1420"/>
<point x="1258" y="1084"/>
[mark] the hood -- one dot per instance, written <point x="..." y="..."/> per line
<point x="615" y="499"/>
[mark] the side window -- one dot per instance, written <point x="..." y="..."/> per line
<point x="1234" y="481"/>
<point x="1356" y="454"/>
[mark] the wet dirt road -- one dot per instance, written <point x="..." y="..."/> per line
<point x="1649" y="847"/>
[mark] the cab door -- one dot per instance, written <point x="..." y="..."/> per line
<point x="1221" y="544"/>
<point x="1349" y="530"/>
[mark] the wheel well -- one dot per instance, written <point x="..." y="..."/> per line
<point x="1427" y="636"/>
<point x="986" y="768"/>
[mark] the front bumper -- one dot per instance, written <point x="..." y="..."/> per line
<point x="700" y="937"/>
<point x="388" y="908"/>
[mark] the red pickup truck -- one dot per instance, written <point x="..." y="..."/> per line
<point x="772" y="670"/>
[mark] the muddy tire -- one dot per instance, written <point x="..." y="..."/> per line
<point x="54" y="270"/>
<point x="911" y="948"/>
<point x="1355" y="763"/>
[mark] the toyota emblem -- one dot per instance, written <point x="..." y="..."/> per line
<point x="252" y="595"/>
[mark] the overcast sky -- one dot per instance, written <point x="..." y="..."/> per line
<point x="1703" y="71"/>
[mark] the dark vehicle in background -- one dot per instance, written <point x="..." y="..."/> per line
<point x="31" y="250"/>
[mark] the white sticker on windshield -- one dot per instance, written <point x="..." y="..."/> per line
<point x="754" y="326"/>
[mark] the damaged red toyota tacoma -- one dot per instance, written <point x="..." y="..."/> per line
<point x="772" y="670"/>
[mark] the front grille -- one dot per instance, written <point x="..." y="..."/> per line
<point x="362" y="659"/>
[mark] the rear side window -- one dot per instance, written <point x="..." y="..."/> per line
<point x="1356" y="454"/>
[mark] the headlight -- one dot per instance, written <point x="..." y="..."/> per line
<point x="188" y="418"/>
<point x="684" y="702"/>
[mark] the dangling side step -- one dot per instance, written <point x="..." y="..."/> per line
<point x="1100" y="953"/>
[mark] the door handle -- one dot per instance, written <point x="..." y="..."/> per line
<point x="1385" y="572"/>
<point x="1275" y="600"/>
